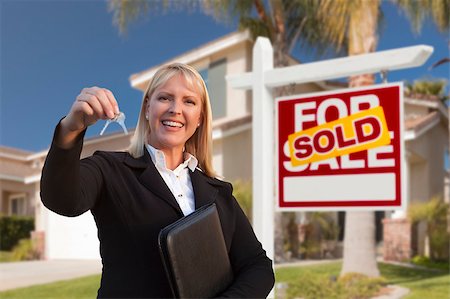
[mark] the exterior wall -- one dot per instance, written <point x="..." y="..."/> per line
<point x="218" y="157"/>
<point x="237" y="156"/>
<point x="427" y="174"/>
<point x="71" y="237"/>
<point x="418" y="191"/>
<point x="237" y="62"/>
<point x="437" y="144"/>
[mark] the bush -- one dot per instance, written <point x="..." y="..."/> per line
<point x="426" y="262"/>
<point x="25" y="251"/>
<point x="319" y="235"/>
<point x="242" y="191"/>
<point x="434" y="213"/>
<point x="358" y="285"/>
<point x="14" y="228"/>
<point x="349" y="286"/>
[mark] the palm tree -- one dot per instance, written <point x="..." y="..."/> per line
<point x="355" y="23"/>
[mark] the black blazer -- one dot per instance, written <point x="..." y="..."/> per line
<point x="130" y="203"/>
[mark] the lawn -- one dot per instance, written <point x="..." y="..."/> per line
<point x="85" y="287"/>
<point x="422" y="283"/>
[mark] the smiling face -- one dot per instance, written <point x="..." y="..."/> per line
<point x="174" y="112"/>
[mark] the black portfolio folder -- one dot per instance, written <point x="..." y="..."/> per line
<point x="195" y="256"/>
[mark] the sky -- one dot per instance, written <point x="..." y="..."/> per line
<point x="50" y="50"/>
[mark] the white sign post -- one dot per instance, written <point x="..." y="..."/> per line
<point x="264" y="77"/>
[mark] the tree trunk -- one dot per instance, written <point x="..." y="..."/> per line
<point x="359" y="236"/>
<point x="359" y="244"/>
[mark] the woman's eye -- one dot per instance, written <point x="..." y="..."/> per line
<point x="163" y="98"/>
<point x="190" y="102"/>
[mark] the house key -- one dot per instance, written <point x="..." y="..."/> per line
<point x="120" y="119"/>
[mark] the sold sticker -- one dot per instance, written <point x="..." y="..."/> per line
<point x="354" y="133"/>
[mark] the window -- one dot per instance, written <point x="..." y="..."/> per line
<point x="214" y="78"/>
<point x="447" y="160"/>
<point x="17" y="204"/>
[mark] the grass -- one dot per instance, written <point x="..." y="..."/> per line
<point x="80" y="288"/>
<point x="422" y="283"/>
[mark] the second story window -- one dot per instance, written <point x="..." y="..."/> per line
<point x="214" y="78"/>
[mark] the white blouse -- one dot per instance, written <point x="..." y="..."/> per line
<point x="178" y="180"/>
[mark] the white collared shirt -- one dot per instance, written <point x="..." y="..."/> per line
<point x="178" y="180"/>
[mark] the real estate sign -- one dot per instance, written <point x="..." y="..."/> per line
<point x="341" y="150"/>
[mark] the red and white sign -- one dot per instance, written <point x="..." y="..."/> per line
<point x="341" y="150"/>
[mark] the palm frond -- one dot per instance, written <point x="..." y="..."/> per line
<point x="419" y="10"/>
<point x="127" y="11"/>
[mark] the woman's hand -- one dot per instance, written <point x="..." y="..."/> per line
<point x="91" y="104"/>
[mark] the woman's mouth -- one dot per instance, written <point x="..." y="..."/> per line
<point x="173" y="124"/>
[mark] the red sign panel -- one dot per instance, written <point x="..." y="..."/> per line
<point x="341" y="150"/>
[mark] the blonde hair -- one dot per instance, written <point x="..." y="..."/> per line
<point x="200" y="144"/>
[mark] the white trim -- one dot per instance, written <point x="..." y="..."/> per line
<point x="32" y="179"/>
<point x="424" y="103"/>
<point x="413" y="134"/>
<point x="200" y="53"/>
<point x="26" y="180"/>
<point x="30" y="157"/>
<point x="218" y="134"/>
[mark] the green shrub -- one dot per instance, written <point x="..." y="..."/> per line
<point x="312" y="286"/>
<point x="426" y="262"/>
<point x="434" y="213"/>
<point x="242" y="191"/>
<point x="319" y="235"/>
<point x="14" y="228"/>
<point x="25" y="251"/>
<point x="357" y="285"/>
<point x="349" y="286"/>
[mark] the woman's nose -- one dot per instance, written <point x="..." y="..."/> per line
<point x="175" y="107"/>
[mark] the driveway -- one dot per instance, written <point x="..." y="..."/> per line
<point x="24" y="274"/>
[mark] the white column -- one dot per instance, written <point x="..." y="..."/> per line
<point x="263" y="147"/>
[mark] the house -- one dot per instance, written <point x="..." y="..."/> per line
<point x="63" y="238"/>
<point x="427" y="140"/>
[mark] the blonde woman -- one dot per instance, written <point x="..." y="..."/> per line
<point x="165" y="174"/>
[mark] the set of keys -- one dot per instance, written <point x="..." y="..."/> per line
<point x="120" y="119"/>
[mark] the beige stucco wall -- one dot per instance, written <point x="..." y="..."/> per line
<point x="237" y="63"/>
<point x="218" y="157"/>
<point x="427" y="171"/>
<point x="237" y="156"/>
